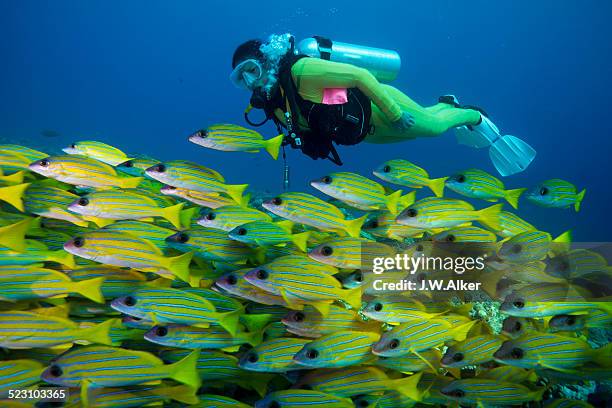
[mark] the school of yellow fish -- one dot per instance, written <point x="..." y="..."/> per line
<point x="133" y="282"/>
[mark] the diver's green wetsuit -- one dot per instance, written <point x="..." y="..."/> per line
<point x="312" y="76"/>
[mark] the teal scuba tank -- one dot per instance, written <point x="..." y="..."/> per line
<point x="383" y="64"/>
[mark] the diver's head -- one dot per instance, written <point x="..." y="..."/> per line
<point x="256" y="63"/>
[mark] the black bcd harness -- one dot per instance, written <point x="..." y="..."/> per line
<point x="342" y="124"/>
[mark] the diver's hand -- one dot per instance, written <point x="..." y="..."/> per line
<point x="405" y="122"/>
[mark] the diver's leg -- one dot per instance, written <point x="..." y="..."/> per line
<point x="428" y="121"/>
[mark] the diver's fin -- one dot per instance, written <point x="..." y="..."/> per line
<point x="510" y="155"/>
<point x="481" y="135"/>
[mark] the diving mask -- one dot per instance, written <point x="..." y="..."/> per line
<point x="246" y="74"/>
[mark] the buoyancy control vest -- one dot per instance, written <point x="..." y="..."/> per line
<point x="342" y="124"/>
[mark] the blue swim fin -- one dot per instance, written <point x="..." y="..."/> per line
<point x="509" y="154"/>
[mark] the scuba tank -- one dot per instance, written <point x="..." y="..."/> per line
<point x="383" y="64"/>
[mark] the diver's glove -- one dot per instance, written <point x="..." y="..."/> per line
<point x="405" y="122"/>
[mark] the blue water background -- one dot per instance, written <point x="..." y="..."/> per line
<point x="142" y="75"/>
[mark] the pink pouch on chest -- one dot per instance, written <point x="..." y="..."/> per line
<point x="334" y="96"/>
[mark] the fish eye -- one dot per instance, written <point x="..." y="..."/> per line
<point x="210" y="216"/>
<point x="419" y="248"/>
<point x="161" y="331"/>
<point x="378" y="307"/>
<point x="358" y="277"/>
<point x="387" y="169"/>
<point x="393" y="344"/>
<point x="78" y="242"/>
<point x="181" y="237"/>
<point x="458" y="357"/>
<point x="274" y="404"/>
<point x="312" y="354"/>
<point x="202" y="133"/>
<point x="519" y="304"/>
<point x="277" y="201"/>
<point x="128" y="164"/>
<point x="252" y="357"/>
<point x="55" y="371"/>
<point x="159" y="168"/>
<point x="411" y="212"/>
<point x="571" y="320"/>
<point x="262" y="274"/>
<point x="298" y="317"/>
<point x="83" y="201"/>
<point x="458" y="393"/>
<point x="169" y="187"/>
<point x="363" y="403"/>
<point x="232" y="279"/>
<point x="516" y="248"/>
<point x="327" y="180"/>
<point x="373" y="224"/>
<point x="327" y="251"/>
<point x="518" y="326"/>
<point x="450" y="238"/>
<point x="517" y="353"/>
<point x="44" y="162"/>
<point x="460" y="178"/>
<point x="129" y="301"/>
<point x="73" y="146"/>
<point x="543" y="191"/>
<point x="564" y="266"/>
<point x="241" y="231"/>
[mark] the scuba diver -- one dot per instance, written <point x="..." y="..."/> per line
<point x="320" y="93"/>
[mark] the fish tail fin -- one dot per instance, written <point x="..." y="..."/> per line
<point x="186" y="216"/>
<point x="15" y="178"/>
<point x="286" y="225"/>
<point x="353" y="227"/>
<point x="185" y="370"/>
<point x="173" y="214"/>
<point x="392" y="200"/>
<point x="13" y="236"/>
<point x="603" y="355"/>
<point x="62" y="257"/>
<point x="273" y="145"/>
<point x="244" y="202"/>
<point x="90" y="289"/>
<point x="437" y="186"/>
<point x="460" y="332"/>
<point x="579" y="198"/>
<point x="229" y="321"/>
<point x="408" y="386"/>
<point x="353" y="297"/>
<point x="301" y="240"/>
<point x="490" y="216"/>
<point x="236" y="191"/>
<point x="255" y="322"/>
<point x="561" y="244"/>
<point x="180" y="393"/>
<point x="100" y="333"/>
<point x="13" y="195"/>
<point x="130" y="182"/>
<point x="538" y="394"/>
<point x="512" y="196"/>
<point x="407" y="200"/>
<point x="254" y="338"/>
<point x="179" y="266"/>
